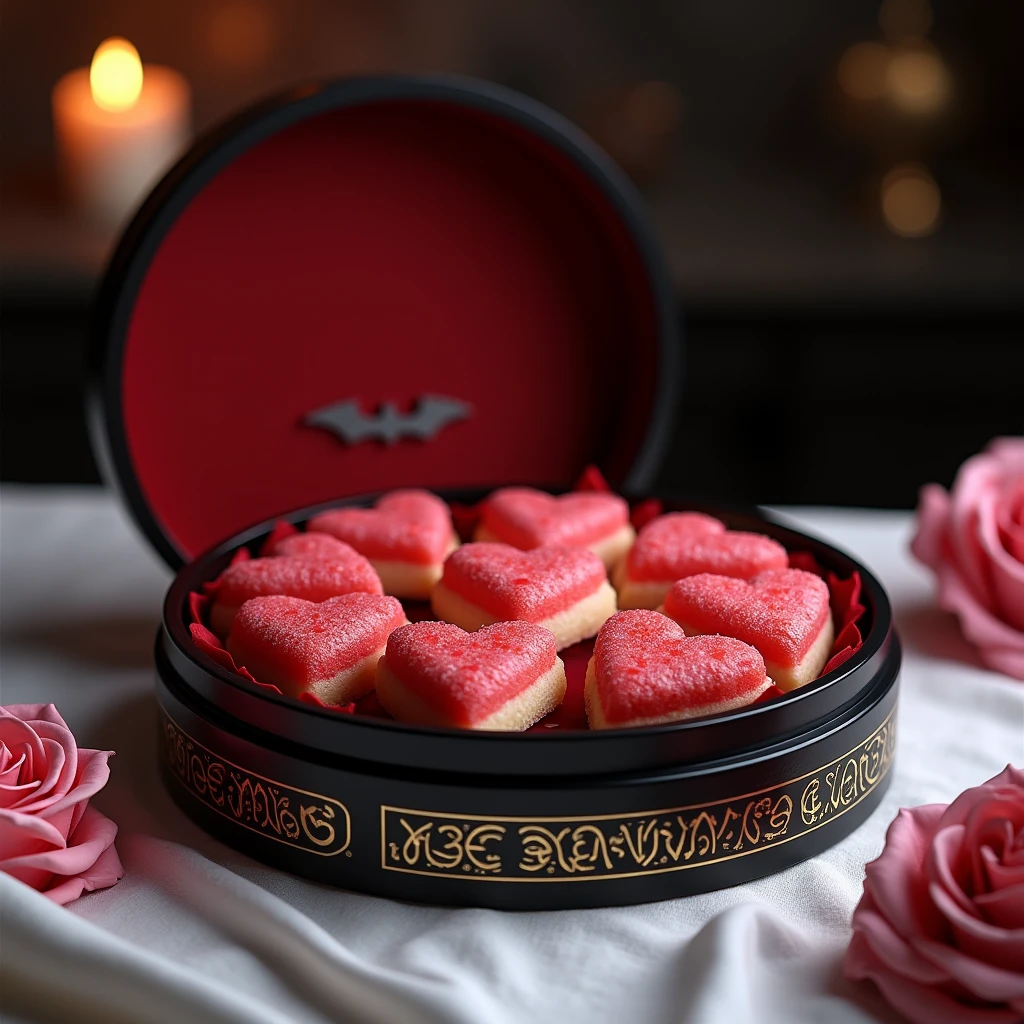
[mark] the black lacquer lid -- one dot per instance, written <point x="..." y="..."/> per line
<point x="378" y="282"/>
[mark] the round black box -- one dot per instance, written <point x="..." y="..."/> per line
<point x="528" y="821"/>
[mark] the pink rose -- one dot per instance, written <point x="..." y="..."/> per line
<point x="940" y="927"/>
<point x="973" y="538"/>
<point x="50" y="838"/>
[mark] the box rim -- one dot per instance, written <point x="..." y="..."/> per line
<point x="846" y="683"/>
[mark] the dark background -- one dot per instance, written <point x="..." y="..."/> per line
<point x="827" y="357"/>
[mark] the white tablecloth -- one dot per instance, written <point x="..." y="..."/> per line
<point x="198" y="933"/>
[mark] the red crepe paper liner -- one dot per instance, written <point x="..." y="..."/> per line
<point x="592" y="479"/>
<point x="465" y="519"/>
<point x="844" y="599"/>
<point x="643" y="513"/>
<point x="311" y="698"/>
<point x="211" y="646"/>
<point x="211" y="588"/>
<point x="280" y="532"/>
<point x="198" y="606"/>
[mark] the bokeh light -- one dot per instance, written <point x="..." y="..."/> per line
<point x="863" y="71"/>
<point x="918" y="82"/>
<point x="240" y="34"/>
<point x="911" y="201"/>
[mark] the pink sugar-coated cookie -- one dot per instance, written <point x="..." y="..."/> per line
<point x="527" y="519"/>
<point x="505" y="676"/>
<point x="679" y="544"/>
<point x="646" y="671"/>
<point x="784" y="613"/>
<point x="565" y="590"/>
<point x="329" y="649"/>
<point x="309" y="545"/>
<point x="407" y="535"/>
<point x="344" y="572"/>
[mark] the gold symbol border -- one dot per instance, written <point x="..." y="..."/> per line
<point x="628" y="816"/>
<point x="246" y="771"/>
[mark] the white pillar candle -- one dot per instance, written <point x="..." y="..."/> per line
<point x="119" y="126"/>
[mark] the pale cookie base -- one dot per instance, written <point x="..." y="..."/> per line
<point x="595" y="712"/>
<point x="609" y="549"/>
<point x="348" y="685"/>
<point x="536" y="701"/>
<point x="634" y="594"/>
<point x="792" y="677"/>
<point x="410" y="579"/>
<point x="576" y="623"/>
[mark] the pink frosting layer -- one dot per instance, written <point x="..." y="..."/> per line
<point x="781" y="612"/>
<point x="530" y="585"/>
<point x="646" y="667"/>
<point x="306" y="642"/>
<point x="404" y="526"/>
<point x="682" y="544"/>
<point x="345" y="572"/>
<point x="526" y="518"/>
<point x="467" y="677"/>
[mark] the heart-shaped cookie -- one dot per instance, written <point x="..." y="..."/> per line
<point x="645" y="671"/>
<point x="313" y="579"/>
<point x="784" y="613"/>
<point x="505" y="676"/>
<point x="681" y="544"/>
<point x="527" y="518"/>
<point x="328" y="648"/>
<point x="309" y="545"/>
<point x="565" y="590"/>
<point x="407" y="535"/>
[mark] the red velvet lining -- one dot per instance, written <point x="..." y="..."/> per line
<point x="847" y="610"/>
<point x="393" y="250"/>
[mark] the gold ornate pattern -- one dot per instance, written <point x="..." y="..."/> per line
<point x="307" y="821"/>
<point x="578" y="849"/>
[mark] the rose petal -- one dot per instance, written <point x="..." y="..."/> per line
<point x="21" y="737"/>
<point x="992" y="825"/>
<point x="919" y="1003"/>
<point x="994" y="983"/>
<point x="32" y="713"/>
<point x="1002" y="873"/>
<point x="57" y="774"/>
<point x="103" y="874"/>
<point x="932" y="519"/>
<point x="1001" y="646"/>
<point x="1010" y="518"/>
<point x="1005" y="573"/>
<point x="1008" y="785"/>
<point x="891" y="947"/>
<point x="961" y="546"/>
<point x="895" y="881"/>
<point x="94" y="864"/>
<point x="93" y="773"/>
<point x="941" y="862"/>
<point x="1004" y="908"/>
<point x="24" y="836"/>
<point x="25" y="833"/>
<point x="977" y="938"/>
<point x="95" y="833"/>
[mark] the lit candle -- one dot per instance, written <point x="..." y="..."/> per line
<point x="118" y="127"/>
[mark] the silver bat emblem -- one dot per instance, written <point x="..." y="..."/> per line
<point x="347" y="421"/>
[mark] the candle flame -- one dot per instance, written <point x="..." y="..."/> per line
<point x="115" y="76"/>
